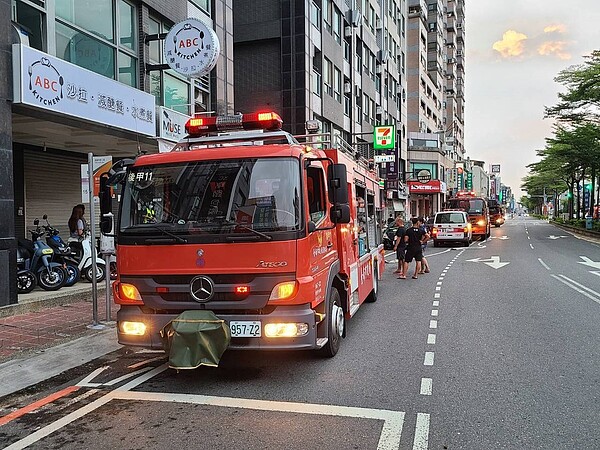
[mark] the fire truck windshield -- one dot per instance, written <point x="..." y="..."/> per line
<point x="470" y="206"/>
<point x="217" y="197"/>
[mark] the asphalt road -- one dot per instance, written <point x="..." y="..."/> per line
<point x="477" y="354"/>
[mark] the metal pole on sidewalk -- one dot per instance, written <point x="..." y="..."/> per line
<point x="93" y="239"/>
<point x="107" y="257"/>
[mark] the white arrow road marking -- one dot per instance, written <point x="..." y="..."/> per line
<point x="588" y="262"/>
<point x="556" y="237"/>
<point x="595" y="272"/>
<point x="503" y="238"/>
<point x="493" y="262"/>
<point x="595" y="296"/>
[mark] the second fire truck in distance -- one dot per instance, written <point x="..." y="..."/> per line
<point x="477" y="209"/>
<point x="278" y="238"/>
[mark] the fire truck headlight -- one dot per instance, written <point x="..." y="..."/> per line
<point x="285" y="329"/>
<point x="481" y="222"/>
<point x="133" y="328"/>
<point x="284" y="290"/>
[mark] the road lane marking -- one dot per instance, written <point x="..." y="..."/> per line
<point x="595" y="272"/>
<point x="438" y="288"/>
<point x="147" y="361"/>
<point x="86" y="382"/>
<point x="433" y="324"/>
<point x="421" y="441"/>
<point x="431" y="338"/>
<point x="574" y="287"/>
<point x="429" y="356"/>
<point x="128" y="375"/>
<point x="439" y="283"/>
<point x="436" y="303"/>
<point x="544" y="264"/>
<point x="531" y="245"/>
<point x="585" y="288"/>
<point x="434" y="312"/>
<point x="38" y="404"/>
<point x="426" y="386"/>
<point x="437" y="295"/>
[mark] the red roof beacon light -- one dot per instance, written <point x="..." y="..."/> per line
<point x="199" y="126"/>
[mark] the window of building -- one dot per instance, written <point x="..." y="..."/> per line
<point x="347" y="51"/>
<point x="366" y="108"/>
<point x="204" y="5"/>
<point x="347" y="105"/>
<point x="317" y="80"/>
<point x="315" y="15"/>
<point x="337" y="25"/>
<point x="99" y="35"/>
<point x="327" y="15"/>
<point x="337" y="85"/>
<point x="32" y="20"/>
<point x="328" y="76"/>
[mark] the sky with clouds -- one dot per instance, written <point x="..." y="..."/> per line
<point x="514" y="50"/>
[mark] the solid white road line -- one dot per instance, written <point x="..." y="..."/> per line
<point x="433" y="324"/>
<point x="585" y="288"/>
<point x="431" y="338"/>
<point x="426" y="386"/>
<point x="429" y="356"/>
<point x="421" y="441"/>
<point x="544" y="264"/>
<point x="86" y="381"/>
<point x="390" y="434"/>
<point x="581" y="291"/>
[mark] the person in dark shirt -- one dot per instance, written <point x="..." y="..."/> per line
<point x="424" y="263"/>
<point x="414" y="238"/>
<point x="400" y="245"/>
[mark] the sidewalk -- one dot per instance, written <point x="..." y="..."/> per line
<point x="44" y="319"/>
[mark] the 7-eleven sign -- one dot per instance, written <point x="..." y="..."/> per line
<point x="384" y="137"/>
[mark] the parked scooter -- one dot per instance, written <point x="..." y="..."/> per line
<point x="26" y="280"/>
<point x="82" y="252"/>
<point x="62" y="253"/>
<point x="50" y="275"/>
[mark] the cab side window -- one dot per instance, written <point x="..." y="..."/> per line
<point x="315" y="181"/>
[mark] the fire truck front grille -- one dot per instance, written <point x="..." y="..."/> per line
<point x="217" y="279"/>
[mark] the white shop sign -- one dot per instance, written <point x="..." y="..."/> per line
<point x="384" y="158"/>
<point x="171" y="124"/>
<point x="49" y="83"/>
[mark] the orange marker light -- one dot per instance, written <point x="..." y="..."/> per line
<point x="240" y="290"/>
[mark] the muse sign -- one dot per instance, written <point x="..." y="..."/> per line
<point x="192" y="48"/>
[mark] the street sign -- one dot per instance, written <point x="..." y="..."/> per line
<point x="384" y="158"/>
<point x="469" y="185"/>
<point x="102" y="164"/>
<point x="424" y="176"/>
<point x="495" y="168"/>
<point x="384" y="137"/>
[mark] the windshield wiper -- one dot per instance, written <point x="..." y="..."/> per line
<point x="168" y="233"/>
<point x="252" y="230"/>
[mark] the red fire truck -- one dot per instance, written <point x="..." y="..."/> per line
<point x="477" y="209"/>
<point x="280" y="239"/>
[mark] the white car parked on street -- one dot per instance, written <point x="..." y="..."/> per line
<point x="451" y="226"/>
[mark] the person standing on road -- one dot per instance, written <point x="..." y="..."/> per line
<point x="424" y="263"/>
<point x="414" y="238"/>
<point x="400" y="245"/>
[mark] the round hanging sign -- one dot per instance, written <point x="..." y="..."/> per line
<point x="192" y="48"/>
<point x="424" y="176"/>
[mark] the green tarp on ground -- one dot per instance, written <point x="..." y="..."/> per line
<point x="195" y="338"/>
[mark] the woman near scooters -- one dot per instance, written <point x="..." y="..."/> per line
<point x="76" y="223"/>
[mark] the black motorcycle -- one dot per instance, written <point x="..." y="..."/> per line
<point x="62" y="253"/>
<point x="26" y="279"/>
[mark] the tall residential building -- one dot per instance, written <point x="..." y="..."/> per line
<point x="340" y="62"/>
<point x="90" y="77"/>
<point x="435" y="105"/>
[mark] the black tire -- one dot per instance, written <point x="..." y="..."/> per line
<point x="335" y="325"/>
<point x="100" y="273"/>
<point x="73" y="275"/>
<point x="26" y="282"/>
<point x="52" y="280"/>
<point x="436" y="243"/>
<point x="466" y="243"/>
<point x="372" y="297"/>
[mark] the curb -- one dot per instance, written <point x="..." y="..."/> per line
<point x="45" y="299"/>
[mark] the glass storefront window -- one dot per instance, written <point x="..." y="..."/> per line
<point x="85" y="51"/>
<point x="32" y="22"/>
<point x="176" y="94"/>
<point x="127" y="69"/>
<point x="154" y="28"/>
<point x="126" y="25"/>
<point x="95" y="16"/>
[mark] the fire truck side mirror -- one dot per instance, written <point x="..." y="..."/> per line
<point x="105" y="195"/>
<point x="340" y="213"/>
<point x="338" y="184"/>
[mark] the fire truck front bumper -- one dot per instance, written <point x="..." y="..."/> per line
<point x="284" y="328"/>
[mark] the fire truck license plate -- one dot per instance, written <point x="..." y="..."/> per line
<point x="245" y="328"/>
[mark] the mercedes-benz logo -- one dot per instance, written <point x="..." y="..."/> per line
<point x="202" y="288"/>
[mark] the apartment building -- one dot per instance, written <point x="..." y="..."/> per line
<point x="435" y="101"/>
<point x="89" y="76"/>
<point x="342" y="63"/>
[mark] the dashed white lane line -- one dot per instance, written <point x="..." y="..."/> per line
<point x="438" y="288"/>
<point x="431" y="338"/>
<point x="439" y="283"/>
<point x="434" y="312"/>
<point x="544" y="264"/>
<point x="436" y="303"/>
<point x="426" y="386"/>
<point x="436" y="295"/>
<point x="528" y="237"/>
<point x="433" y="324"/>
<point x="421" y="441"/>
<point x="428" y="359"/>
<point x="531" y="245"/>
<point x="441" y="278"/>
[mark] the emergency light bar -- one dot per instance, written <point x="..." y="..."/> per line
<point x="199" y="126"/>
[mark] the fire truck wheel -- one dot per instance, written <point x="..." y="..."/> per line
<point x="335" y="325"/>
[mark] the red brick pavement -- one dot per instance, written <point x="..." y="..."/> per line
<point x="47" y="327"/>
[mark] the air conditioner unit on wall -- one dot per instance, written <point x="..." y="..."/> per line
<point x="459" y="52"/>
<point x="459" y="25"/>
<point x="347" y="87"/>
<point x="347" y="31"/>
<point x="383" y="55"/>
<point x="354" y="17"/>
<point x="378" y="68"/>
<point x="379" y="110"/>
